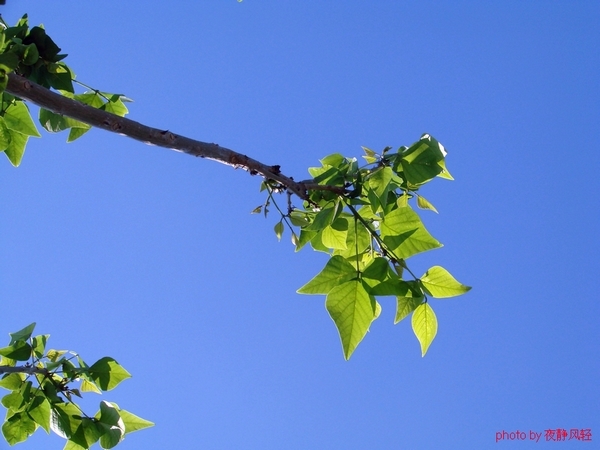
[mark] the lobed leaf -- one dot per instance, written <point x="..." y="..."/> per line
<point x="18" y="428"/>
<point x="352" y="310"/>
<point x="336" y="271"/>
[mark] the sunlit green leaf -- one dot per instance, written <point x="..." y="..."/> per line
<point x="12" y="381"/>
<point x="440" y="284"/>
<point x="107" y="373"/>
<point x="279" y="230"/>
<point x="23" y="334"/>
<point x="39" y="344"/>
<point x="134" y="423"/>
<point x="352" y="309"/>
<point x="406" y="305"/>
<point x="13" y="401"/>
<point x="64" y="419"/>
<point x="16" y="148"/>
<point x="336" y="271"/>
<point x="404" y="233"/>
<point x="377" y="270"/>
<point x="40" y="412"/>
<point x="334" y="235"/>
<point x="18" y="118"/>
<point x="76" y="132"/>
<point x="424" y="325"/>
<point x="89" y="386"/>
<point x="19" y="351"/>
<point x="18" y="428"/>
<point x="114" y="428"/>
<point x="5" y="135"/>
<point x="423" y="203"/>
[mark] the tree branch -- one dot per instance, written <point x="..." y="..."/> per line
<point x="30" y="370"/>
<point x="28" y="90"/>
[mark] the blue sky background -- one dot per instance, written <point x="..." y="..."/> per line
<point x="151" y="256"/>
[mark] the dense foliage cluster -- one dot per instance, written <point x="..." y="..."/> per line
<point x="361" y="217"/>
<point x="42" y="394"/>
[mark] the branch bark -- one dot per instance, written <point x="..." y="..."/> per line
<point x="27" y="90"/>
<point x="30" y="370"/>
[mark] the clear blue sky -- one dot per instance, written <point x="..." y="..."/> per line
<point x="151" y="256"/>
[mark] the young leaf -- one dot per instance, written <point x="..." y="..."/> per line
<point x="279" y="230"/>
<point x="423" y="203"/>
<point x="424" y="325"/>
<point x="440" y="284"/>
<point x="336" y="271"/>
<point x="352" y="309"/>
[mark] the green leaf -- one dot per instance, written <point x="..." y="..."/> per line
<point x="12" y="381"/>
<point x="65" y="419"/>
<point x="13" y="401"/>
<point x="18" y="118"/>
<point x="406" y="305"/>
<point x="356" y="232"/>
<point x="40" y="412"/>
<point x="22" y="335"/>
<point x="336" y="271"/>
<point x="334" y="235"/>
<point x="133" y="422"/>
<point x="279" y="230"/>
<point x="19" y="351"/>
<point x="87" y="434"/>
<point x="380" y="182"/>
<point x="16" y="148"/>
<point x="377" y="270"/>
<point x="76" y="132"/>
<point x="440" y="284"/>
<point x="115" y="105"/>
<point x="424" y="325"/>
<point x="352" y="310"/>
<point x="107" y="373"/>
<point x="89" y="386"/>
<point x="114" y="428"/>
<point x="404" y="234"/>
<point x="322" y="219"/>
<point x="5" y="136"/>
<point x="420" y="162"/>
<point x="18" y="428"/>
<point x="39" y="345"/>
<point x="423" y="203"/>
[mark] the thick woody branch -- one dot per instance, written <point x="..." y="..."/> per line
<point x="45" y="98"/>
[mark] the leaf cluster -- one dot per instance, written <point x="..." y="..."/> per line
<point x="43" y="392"/>
<point x="362" y="218"/>
<point x="31" y="53"/>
